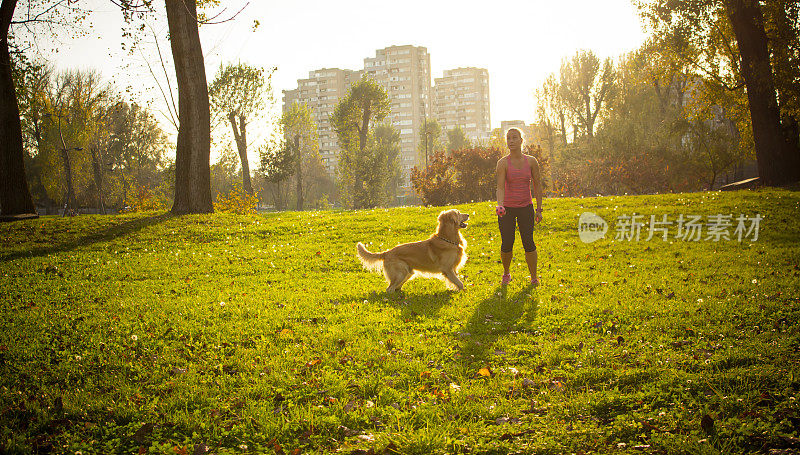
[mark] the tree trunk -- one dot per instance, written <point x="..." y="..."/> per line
<point x="70" y="205"/>
<point x="97" y="170"/>
<point x="193" y="154"/>
<point x="240" y="135"/>
<point x="277" y="197"/>
<point x="124" y="189"/>
<point x="299" y="172"/>
<point x="15" y="195"/>
<point x="563" y="121"/>
<point x="777" y="164"/>
<point x="589" y="120"/>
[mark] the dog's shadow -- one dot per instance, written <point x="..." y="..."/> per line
<point x="410" y="305"/>
<point x="497" y="316"/>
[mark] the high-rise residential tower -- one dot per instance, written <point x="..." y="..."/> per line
<point x="461" y="98"/>
<point x="405" y="73"/>
<point x="321" y="92"/>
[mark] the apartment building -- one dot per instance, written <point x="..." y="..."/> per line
<point x="405" y="74"/>
<point x="321" y="92"/>
<point x="403" y="71"/>
<point x="527" y="130"/>
<point x="461" y="98"/>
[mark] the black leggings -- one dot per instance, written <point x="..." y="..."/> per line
<point x="524" y="217"/>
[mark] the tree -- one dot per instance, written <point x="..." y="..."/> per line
<point x="497" y="140"/>
<point x="193" y="152"/>
<point x="237" y="94"/>
<point x="136" y="147"/>
<point x="223" y="172"/>
<point x="15" y="195"/>
<point x="435" y="182"/>
<point x="584" y="87"/>
<point x="551" y="112"/>
<point x="475" y="173"/>
<point x="456" y="139"/>
<point x="89" y="101"/>
<point x="737" y="44"/>
<point x="278" y="163"/>
<point x="430" y="139"/>
<point x="300" y="134"/>
<point x="465" y="175"/>
<point x="385" y="145"/>
<point x="365" y="104"/>
<point x="32" y="82"/>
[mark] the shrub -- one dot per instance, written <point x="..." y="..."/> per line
<point x="236" y="201"/>
<point x="434" y="184"/>
<point x="466" y="175"/>
<point x="142" y="199"/>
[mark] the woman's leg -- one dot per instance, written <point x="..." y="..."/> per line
<point x="532" y="258"/>
<point x="526" y="222"/>
<point x="505" y="258"/>
<point x="507" y="224"/>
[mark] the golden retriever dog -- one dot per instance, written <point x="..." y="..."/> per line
<point x="440" y="256"/>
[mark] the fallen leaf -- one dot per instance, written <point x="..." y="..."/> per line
<point x="485" y="372"/>
<point x="556" y="386"/>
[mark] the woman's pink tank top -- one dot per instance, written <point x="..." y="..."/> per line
<point x="518" y="186"/>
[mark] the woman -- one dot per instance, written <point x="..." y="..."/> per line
<point x="516" y="172"/>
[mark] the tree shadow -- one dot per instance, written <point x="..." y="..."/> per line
<point x="107" y="234"/>
<point x="410" y="305"/>
<point x="495" y="317"/>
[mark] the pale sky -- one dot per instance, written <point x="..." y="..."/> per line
<point x="519" y="42"/>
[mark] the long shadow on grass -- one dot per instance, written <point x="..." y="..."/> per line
<point x="411" y="305"/>
<point x="495" y="317"/>
<point x="109" y="233"/>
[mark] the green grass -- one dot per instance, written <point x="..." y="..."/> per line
<point x="148" y="333"/>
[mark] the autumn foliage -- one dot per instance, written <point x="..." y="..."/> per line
<point x="465" y="175"/>
<point x="140" y="198"/>
<point x="236" y="201"/>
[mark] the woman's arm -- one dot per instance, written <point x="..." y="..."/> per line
<point x="501" y="182"/>
<point x="536" y="183"/>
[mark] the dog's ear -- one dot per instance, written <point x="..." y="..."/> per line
<point x="455" y="217"/>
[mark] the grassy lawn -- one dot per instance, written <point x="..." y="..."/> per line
<point x="148" y="333"/>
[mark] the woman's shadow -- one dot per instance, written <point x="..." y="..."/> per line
<point x="497" y="316"/>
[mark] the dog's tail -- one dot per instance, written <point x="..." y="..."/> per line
<point x="370" y="261"/>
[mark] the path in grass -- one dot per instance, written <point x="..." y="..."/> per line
<point x="235" y="334"/>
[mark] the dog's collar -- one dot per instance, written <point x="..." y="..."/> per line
<point x="446" y="240"/>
